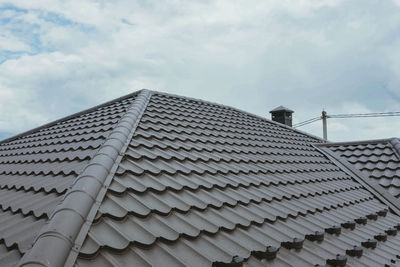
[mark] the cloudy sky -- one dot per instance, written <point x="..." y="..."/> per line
<point x="59" y="57"/>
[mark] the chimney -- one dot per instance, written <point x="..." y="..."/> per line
<point x="282" y="115"/>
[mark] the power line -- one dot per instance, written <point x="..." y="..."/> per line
<point x="345" y="116"/>
<point x="365" y="115"/>
<point x="306" y="122"/>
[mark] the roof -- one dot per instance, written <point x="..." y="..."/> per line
<point x="38" y="167"/>
<point x="178" y="181"/>
<point x="376" y="159"/>
<point x="281" y="108"/>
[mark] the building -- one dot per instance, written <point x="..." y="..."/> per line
<point x="153" y="179"/>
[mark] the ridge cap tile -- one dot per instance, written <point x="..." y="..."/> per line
<point x="395" y="142"/>
<point x="225" y="227"/>
<point x="32" y="189"/>
<point x="54" y="244"/>
<point x="244" y="184"/>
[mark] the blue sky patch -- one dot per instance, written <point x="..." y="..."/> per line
<point x="55" y="18"/>
<point x="12" y="7"/>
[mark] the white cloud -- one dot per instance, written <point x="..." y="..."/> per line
<point x="10" y="43"/>
<point x="254" y="55"/>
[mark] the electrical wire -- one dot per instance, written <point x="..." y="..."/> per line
<point x="306" y="122"/>
<point x="365" y="115"/>
<point x="345" y="116"/>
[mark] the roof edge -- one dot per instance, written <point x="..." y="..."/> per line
<point x="49" y="124"/>
<point x="373" y="187"/>
<point x="245" y="112"/>
<point x="395" y="143"/>
<point x="57" y="239"/>
<point x="360" y="142"/>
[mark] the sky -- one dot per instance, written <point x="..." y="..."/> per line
<point x="60" y="57"/>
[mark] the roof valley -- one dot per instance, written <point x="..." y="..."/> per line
<point x="60" y="239"/>
<point x="378" y="160"/>
<point x="163" y="180"/>
<point x="373" y="187"/>
<point x="196" y="187"/>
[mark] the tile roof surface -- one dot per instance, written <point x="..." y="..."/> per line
<point x="191" y="183"/>
<point x="377" y="159"/>
<point x="36" y="169"/>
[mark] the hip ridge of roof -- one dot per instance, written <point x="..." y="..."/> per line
<point x="59" y="240"/>
<point x="395" y="142"/>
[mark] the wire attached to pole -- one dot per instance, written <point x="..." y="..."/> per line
<point x="345" y="116"/>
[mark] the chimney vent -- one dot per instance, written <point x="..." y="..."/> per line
<point x="282" y="115"/>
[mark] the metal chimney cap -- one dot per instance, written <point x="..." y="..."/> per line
<point x="281" y="108"/>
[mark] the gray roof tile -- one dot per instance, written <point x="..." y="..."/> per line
<point x="8" y="257"/>
<point x="192" y="184"/>
<point x="377" y="159"/>
<point x="201" y="184"/>
<point x="37" y="168"/>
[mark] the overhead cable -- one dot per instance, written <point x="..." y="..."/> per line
<point x="343" y="116"/>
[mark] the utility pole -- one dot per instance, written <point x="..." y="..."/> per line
<point x="325" y="116"/>
<point x="324" y="125"/>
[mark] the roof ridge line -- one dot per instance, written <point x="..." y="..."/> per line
<point x="56" y="242"/>
<point x="371" y="186"/>
<point x="12" y="138"/>
<point x="362" y="142"/>
<point x="245" y="112"/>
<point x="395" y="143"/>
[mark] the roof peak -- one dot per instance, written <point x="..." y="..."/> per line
<point x="49" y="124"/>
<point x="52" y="123"/>
<point x="53" y="246"/>
<point x="162" y="145"/>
